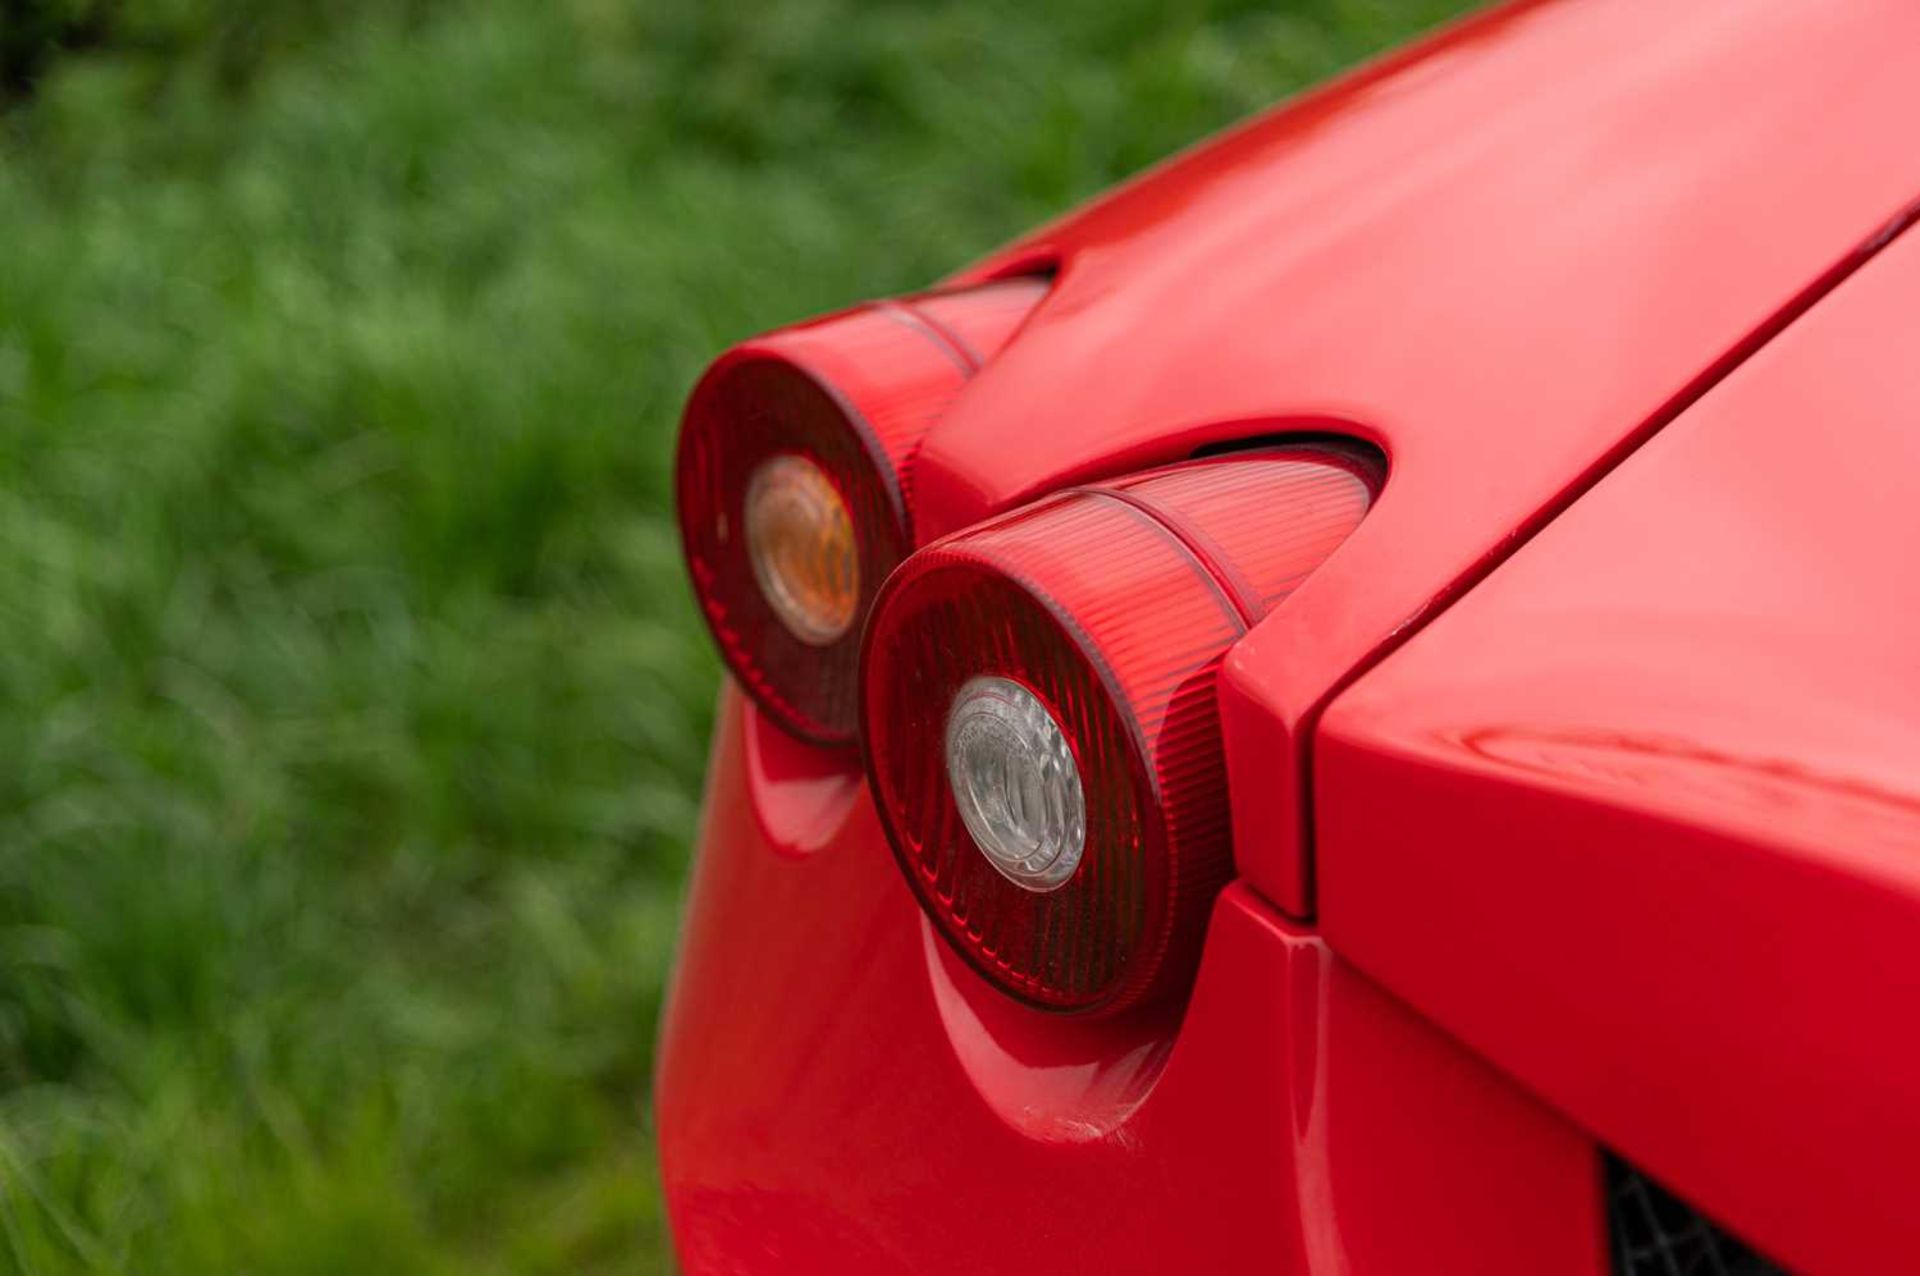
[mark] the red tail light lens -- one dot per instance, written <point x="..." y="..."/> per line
<point x="1041" y="729"/>
<point x="793" y="484"/>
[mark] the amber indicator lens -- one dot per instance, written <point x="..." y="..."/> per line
<point x="801" y="542"/>
<point x="793" y="488"/>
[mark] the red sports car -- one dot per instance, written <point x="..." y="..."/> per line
<point x="1352" y="706"/>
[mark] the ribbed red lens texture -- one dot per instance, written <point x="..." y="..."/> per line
<point x="979" y="321"/>
<point x="853" y="394"/>
<point x="1265" y="520"/>
<point x="1107" y="603"/>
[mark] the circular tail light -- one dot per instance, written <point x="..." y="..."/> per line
<point x="792" y="483"/>
<point x="1040" y="723"/>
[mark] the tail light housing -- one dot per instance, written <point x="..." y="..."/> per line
<point x="793" y="484"/>
<point x="1039" y="717"/>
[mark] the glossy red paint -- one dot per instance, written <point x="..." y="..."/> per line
<point x="1507" y="258"/>
<point x="837" y="1094"/>
<point x="1639" y="817"/>
<point x="1504" y="257"/>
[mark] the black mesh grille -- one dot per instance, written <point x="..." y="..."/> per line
<point x="1655" y="1233"/>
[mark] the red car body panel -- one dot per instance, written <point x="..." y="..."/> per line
<point x="1504" y="259"/>
<point x="1508" y="257"/>
<point x="837" y="1093"/>
<point x="1653" y="834"/>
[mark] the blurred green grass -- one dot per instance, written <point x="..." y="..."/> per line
<point x="352" y="706"/>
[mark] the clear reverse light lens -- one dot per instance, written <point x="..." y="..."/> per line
<point x="800" y="539"/>
<point x="1016" y="784"/>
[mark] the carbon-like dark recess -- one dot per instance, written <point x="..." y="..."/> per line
<point x="1655" y="1233"/>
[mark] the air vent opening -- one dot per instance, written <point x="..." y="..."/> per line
<point x="1652" y="1232"/>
